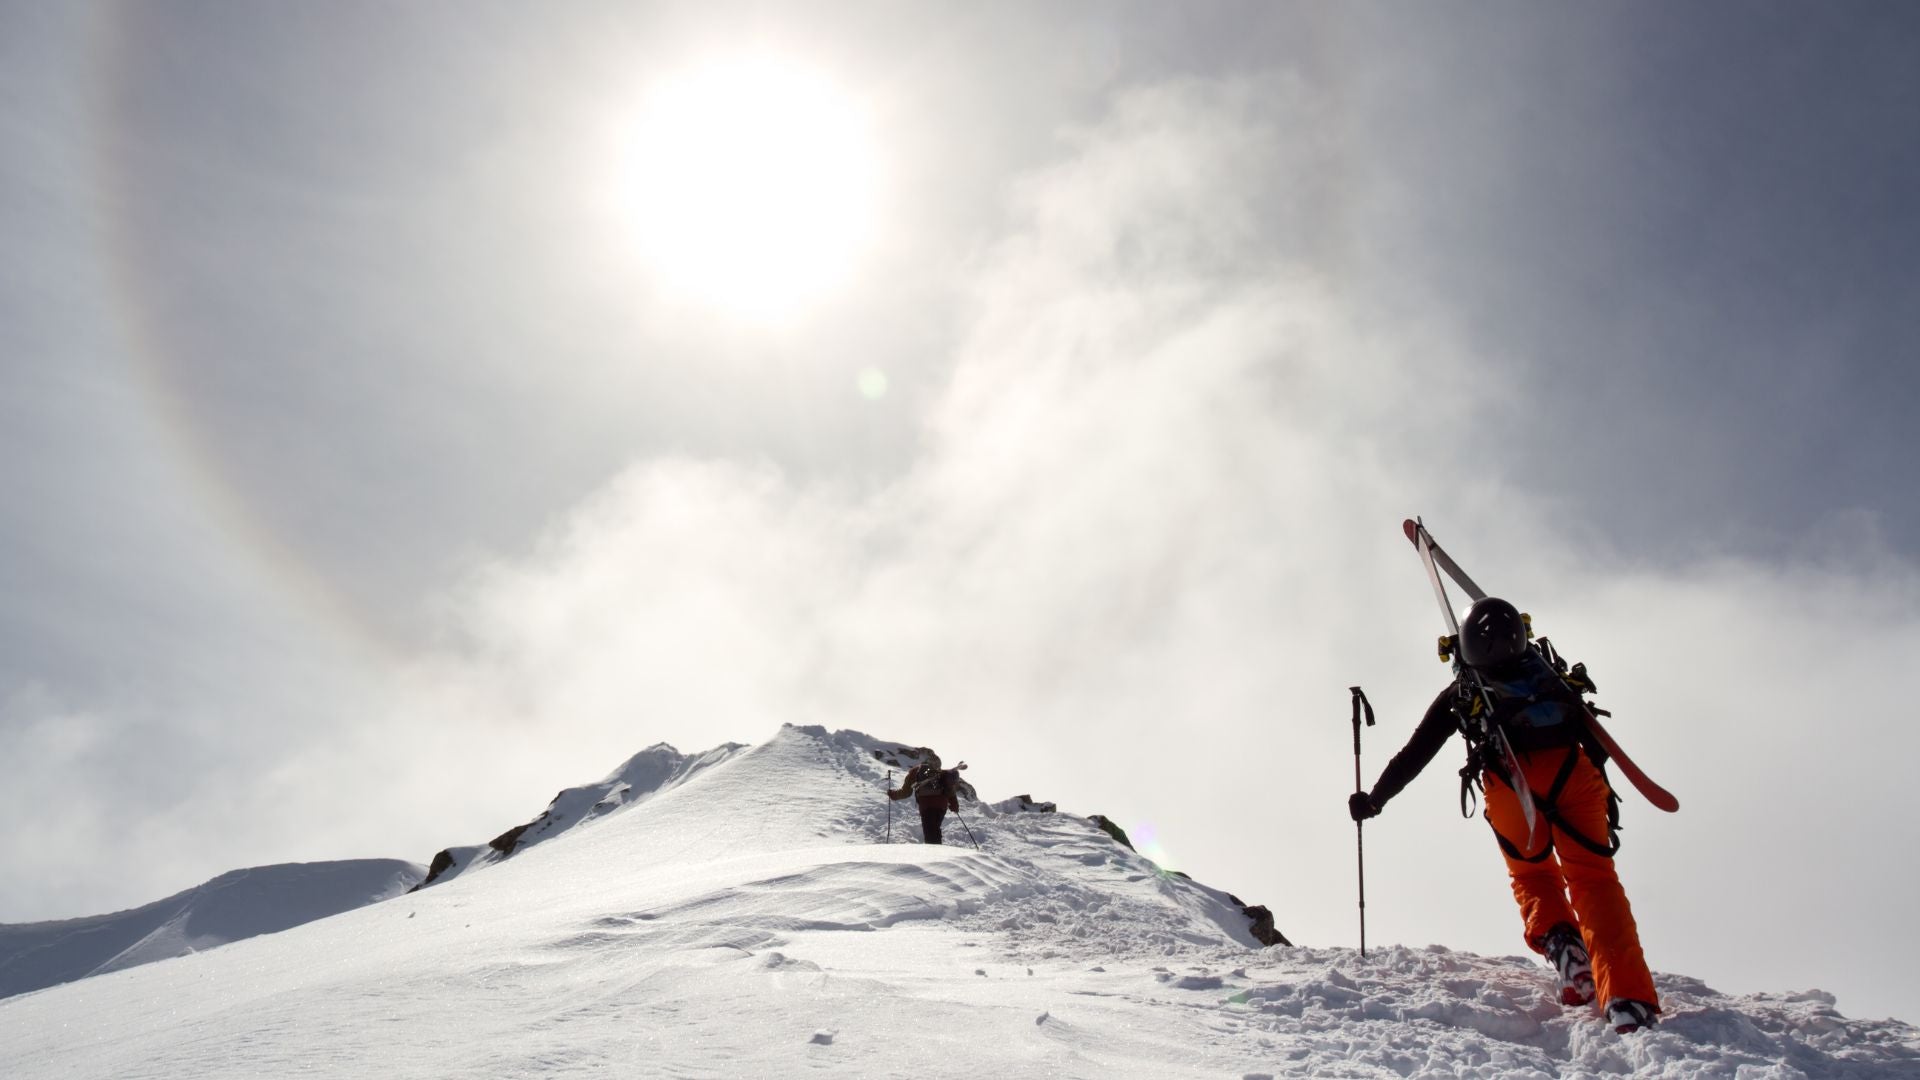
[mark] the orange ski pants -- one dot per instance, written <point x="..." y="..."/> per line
<point x="1571" y="884"/>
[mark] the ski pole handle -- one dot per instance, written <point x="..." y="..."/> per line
<point x="1360" y="704"/>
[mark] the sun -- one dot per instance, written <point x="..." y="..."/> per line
<point x="754" y="182"/>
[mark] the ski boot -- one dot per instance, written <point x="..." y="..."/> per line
<point x="1568" y="955"/>
<point x="1628" y="1016"/>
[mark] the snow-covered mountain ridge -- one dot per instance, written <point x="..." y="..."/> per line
<point x="236" y="905"/>
<point x="656" y="769"/>
<point x="751" y="921"/>
<point x="661" y="768"/>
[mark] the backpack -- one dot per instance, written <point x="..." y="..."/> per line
<point x="937" y="784"/>
<point x="946" y="784"/>
<point x="1538" y="702"/>
<point x="1535" y="705"/>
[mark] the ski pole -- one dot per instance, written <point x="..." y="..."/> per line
<point x="969" y="828"/>
<point x="889" y="806"/>
<point x="1360" y="849"/>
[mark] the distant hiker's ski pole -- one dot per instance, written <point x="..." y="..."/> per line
<point x="889" y="806"/>
<point x="1360" y="702"/>
<point x="969" y="828"/>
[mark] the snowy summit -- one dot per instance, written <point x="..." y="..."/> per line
<point x="743" y="913"/>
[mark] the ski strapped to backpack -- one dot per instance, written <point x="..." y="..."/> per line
<point x="1475" y="709"/>
<point x="1478" y="700"/>
<point x="944" y="782"/>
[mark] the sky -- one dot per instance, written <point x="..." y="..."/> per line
<point x="411" y="412"/>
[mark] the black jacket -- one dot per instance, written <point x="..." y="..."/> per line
<point x="929" y="785"/>
<point x="1538" y="711"/>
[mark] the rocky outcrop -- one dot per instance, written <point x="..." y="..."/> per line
<point x="506" y="841"/>
<point x="441" y="863"/>
<point x="1263" y="928"/>
<point x="904" y="757"/>
<point x="1107" y="826"/>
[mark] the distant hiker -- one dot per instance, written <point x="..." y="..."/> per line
<point x="934" y="790"/>
<point x="1571" y="901"/>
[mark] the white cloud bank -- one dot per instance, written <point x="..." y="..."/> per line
<point x="1162" y="488"/>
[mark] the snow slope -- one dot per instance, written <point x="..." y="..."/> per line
<point x="656" y="769"/>
<point x="751" y="922"/>
<point x="236" y="905"/>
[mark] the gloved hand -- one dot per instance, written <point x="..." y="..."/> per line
<point x="1360" y="806"/>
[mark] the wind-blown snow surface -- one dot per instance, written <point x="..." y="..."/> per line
<point x="236" y="905"/>
<point x="749" y="922"/>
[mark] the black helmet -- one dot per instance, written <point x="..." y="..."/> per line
<point x="1492" y="634"/>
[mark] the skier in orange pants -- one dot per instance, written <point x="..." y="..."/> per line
<point x="1565" y="880"/>
<point x="1571" y="902"/>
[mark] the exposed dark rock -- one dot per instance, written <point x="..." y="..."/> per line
<point x="1263" y="927"/>
<point x="1107" y="826"/>
<point x="1026" y="803"/>
<point x="505" y="841"/>
<point x="440" y="865"/>
<point x="904" y="757"/>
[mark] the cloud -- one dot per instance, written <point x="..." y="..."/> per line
<point x="1160" y="424"/>
<point x="66" y="747"/>
<point x="1768" y="695"/>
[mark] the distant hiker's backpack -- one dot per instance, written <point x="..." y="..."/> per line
<point x="943" y="784"/>
<point x="937" y="784"/>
